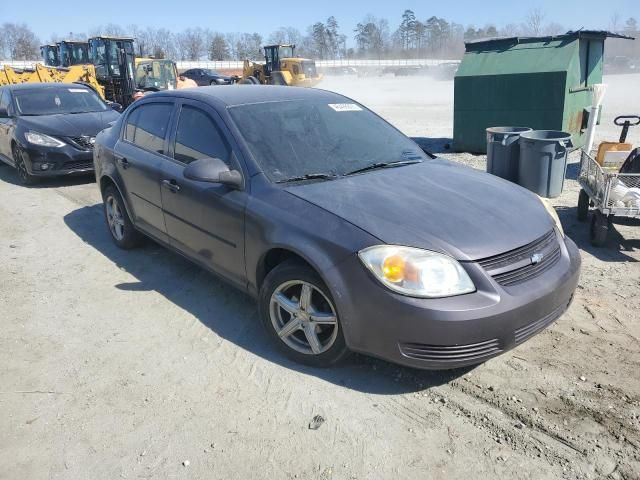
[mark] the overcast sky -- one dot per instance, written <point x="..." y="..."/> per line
<point x="46" y="17"/>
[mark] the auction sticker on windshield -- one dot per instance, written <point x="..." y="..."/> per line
<point x="345" y="107"/>
<point x="78" y="90"/>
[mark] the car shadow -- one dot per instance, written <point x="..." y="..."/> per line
<point x="435" y="144"/>
<point x="205" y="296"/>
<point x="617" y="248"/>
<point x="9" y="174"/>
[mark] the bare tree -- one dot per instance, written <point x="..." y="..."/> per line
<point x="614" y="22"/>
<point x="534" y="21"/>
<point x="19" y="41"/>
<point x="554" y="28"/>
<point x="287" y="36"/>
<point x="510" y="30"/>
<point x="191" y="43"/>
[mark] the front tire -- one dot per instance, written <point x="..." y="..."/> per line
<point x="300" y="316"/>
<point x="24" y="176"/>
<point x="122" y="231"/>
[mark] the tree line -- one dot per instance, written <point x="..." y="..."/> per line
<point x="412" y="37"/>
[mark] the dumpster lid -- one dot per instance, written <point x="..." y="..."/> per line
<point x="595" y="34"/>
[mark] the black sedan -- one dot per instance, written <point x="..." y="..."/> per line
<point x="348" y="234"/>
<point x="48" y="129"/>
<point x="206" y="76"/>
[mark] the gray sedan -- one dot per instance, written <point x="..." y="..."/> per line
<point x="350" y="237"/>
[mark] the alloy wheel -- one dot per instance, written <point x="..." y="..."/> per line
<point x="115" y="219"/>
<point x="303" y="317"/>
<point x="21" y="167"/>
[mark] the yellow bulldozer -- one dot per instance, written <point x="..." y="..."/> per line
<point x="281" y="67"/>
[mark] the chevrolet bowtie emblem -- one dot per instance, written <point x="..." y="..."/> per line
<point x="536" y="258"/>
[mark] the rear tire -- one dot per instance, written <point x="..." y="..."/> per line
<point x="583" y="206"/>
<point x="122" y="231"/>
<point x="304" y="327"/>
<point x="599" y="231"/>
<point x="24" y="176"/>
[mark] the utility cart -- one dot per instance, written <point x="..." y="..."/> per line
<point x="609" y="192"/>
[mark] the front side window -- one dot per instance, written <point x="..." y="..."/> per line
<point x="147" y="126"/>
<point x="4" y="100"/>
<point x="198" y="137"/>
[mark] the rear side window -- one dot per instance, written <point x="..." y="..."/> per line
<point x="198" y="137"/>
<point x="147" y="126"/>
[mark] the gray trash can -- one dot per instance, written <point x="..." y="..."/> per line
<point x="543" y="161"/>
<point x="503" y="151"/>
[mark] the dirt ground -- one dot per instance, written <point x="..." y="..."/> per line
<point x="139" y="364"/>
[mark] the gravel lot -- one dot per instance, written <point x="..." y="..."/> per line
<point x="140" y="365"/>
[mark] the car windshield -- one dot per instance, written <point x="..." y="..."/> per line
<point x="51" y="101"/>
<point x="300" y="138"/>
<point x="212" y="73"/>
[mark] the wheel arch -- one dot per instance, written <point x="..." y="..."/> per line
<point x="275" y="256"/>
<point x="106" y="181"/>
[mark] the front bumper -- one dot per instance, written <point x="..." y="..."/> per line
<point x="449" y="332"/>
<point x="66" y="160"/>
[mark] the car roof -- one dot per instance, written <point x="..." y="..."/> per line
<point x="235" y="95"/>
<point x="43" y="86"/>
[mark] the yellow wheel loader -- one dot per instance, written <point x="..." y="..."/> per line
<point x="104" y="63"/>
<point x="154" y="74"/>
<point x="281" y="67"/>
<point x="85" y="74"/>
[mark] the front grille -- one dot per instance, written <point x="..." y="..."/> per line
<point x="84" y="142"/>
<point x="78" y="165"/>
<point x="457" y="353"/>
<point x="517" y="266"/>
<point x="530" y="330"/>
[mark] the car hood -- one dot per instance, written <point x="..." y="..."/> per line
<point x="435" y="205"/>
<point x="70" y="125"/>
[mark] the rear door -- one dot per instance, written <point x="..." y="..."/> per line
<point x="204" y="220"/>
<point x="139" y="156"/>
<point x="6" y="125"/>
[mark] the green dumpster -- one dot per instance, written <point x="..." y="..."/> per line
<point x="541" y="82"/>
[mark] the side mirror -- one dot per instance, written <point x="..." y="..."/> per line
<point x="213" y="170"/>
<point x="4" y="113"/>
<point x="116" y="106"/>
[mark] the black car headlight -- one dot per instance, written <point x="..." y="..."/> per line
<point x="42" y="140"/>
<point x="416" y="272"/>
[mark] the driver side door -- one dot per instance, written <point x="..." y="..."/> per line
<point x="204" y="220"/>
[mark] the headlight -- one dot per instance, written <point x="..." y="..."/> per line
<point x="416" y="272"/>
<point x="552" y="211"/>
<point x="43" y="140"/>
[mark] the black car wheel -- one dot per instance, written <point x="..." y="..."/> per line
<point x="299" y="313"/>
<point x="120" y="226"/>
<point x="213" y="82"/>
<point x="23" y="174"/>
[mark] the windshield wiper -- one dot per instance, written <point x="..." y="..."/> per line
<point x="378" y="165"/>
<point x="308" y="176"/>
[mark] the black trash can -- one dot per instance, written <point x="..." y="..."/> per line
<point x="543" y="161"/>
<point x="503" y="151"/>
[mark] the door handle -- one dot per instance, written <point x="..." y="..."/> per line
<point x="171" y="185"/>
<point x="123" y="162"/>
